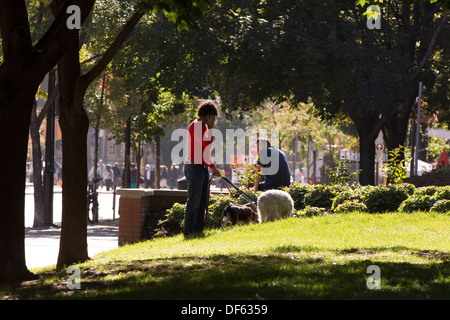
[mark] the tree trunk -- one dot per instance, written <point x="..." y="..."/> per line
<point x="16" y="101"/>
<point x="138" y="153"/>
<point x="396" y="130"/>
<point x="396" y="126"/>
<point x="17" y="90"/>
<point x="23" y="68"/>
<point x="37" y="170"/>
<point x="74" y="125"/>
<point x="367" y="160"/>
<point x="368" y="126"/>
<point x="73" y="242"/>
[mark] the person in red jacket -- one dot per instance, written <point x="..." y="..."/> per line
<point x="198" y="161"/>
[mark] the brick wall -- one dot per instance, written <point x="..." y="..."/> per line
<point x="134" y="204"/>
<point x="131" y="219"/>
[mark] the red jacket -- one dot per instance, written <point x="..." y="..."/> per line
<point x="199" y="142"/>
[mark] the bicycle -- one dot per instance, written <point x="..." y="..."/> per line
<point x="92" y="201"/>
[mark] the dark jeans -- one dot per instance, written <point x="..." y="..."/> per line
<point x="197" y="177"/>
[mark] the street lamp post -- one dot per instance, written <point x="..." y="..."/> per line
<point x="419" y="105"/>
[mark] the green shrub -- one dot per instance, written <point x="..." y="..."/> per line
<point x="408" y="187"/>
<point x="298" y="192"/>
<point x="442" y="193"/>
<point x="350" y="206"/>
<point x="321" y="195"/>
<point x="441" y="206"/>
<point x="310" y="211"/>
<point x="383" y="199"/>
<point x="176" y="213"/>
<point x="429" y="190"/>
<point x="417" y="202"/>
<point x="346" y="195"/>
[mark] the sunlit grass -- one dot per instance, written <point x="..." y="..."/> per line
<point x="323" y="257"/>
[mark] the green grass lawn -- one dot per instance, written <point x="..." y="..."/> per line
<point x="322" y="257"/>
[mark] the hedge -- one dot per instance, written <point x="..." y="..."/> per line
<point x="312" y="200"/>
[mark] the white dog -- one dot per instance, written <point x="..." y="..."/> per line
<point x="274" y="204"/>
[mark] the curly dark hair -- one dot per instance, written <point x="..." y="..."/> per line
<point x="263" y="141"/>
<point x="206" y="108"/>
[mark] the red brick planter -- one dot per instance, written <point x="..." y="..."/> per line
<point x="134" y="204"/>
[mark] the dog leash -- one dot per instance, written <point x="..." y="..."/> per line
<point x="244" y="195"/>
<point x="226" y="182"/>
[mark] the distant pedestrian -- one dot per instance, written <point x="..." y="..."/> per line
<point x="149" y="177"/>
<point x="133" y="176"/>
<point x="108" y="177"/>
<point x="117" y="174"/>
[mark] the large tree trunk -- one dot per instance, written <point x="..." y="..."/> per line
<point x="396" y="130"/>
<point x="17" y="90"/>
<point x="368" y="127"/>
<point x="73" y="242"/>
<point x="74" y="125"/>
<point x="367" y="160"/>
<point x="16" y="100"/>
<point x="396" y="126"/>
<point x="23" y="69"/>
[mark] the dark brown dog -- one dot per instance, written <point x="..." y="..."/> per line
<point x="236" y="214"/>
<point x="252" y="206"/>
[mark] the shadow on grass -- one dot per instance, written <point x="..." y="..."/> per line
<point x="272" y="276"/>
<point x="441" y="256"/>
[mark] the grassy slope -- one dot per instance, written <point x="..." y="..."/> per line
<point x="320" y="258"/>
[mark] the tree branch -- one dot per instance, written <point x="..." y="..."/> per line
<point x="50" y="99"/>
<point x="109" y="54"/>
<point x="15" y="31"/>
<point x="430" y="46"/>
<point x="52" y="45"/>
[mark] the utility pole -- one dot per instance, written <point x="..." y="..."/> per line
<point x="419" y="106"/>
<point x="126" y="170"/>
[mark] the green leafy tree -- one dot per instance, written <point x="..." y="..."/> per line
<point x="74" y="122"/>
<point x="24" y="63"/>
<point x="326" y="51"/>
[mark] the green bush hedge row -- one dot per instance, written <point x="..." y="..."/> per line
<point x="310" y="200"/>
<point x="403" y="198"/>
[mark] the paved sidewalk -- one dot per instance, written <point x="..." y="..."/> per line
<point x="42" y="244"/>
